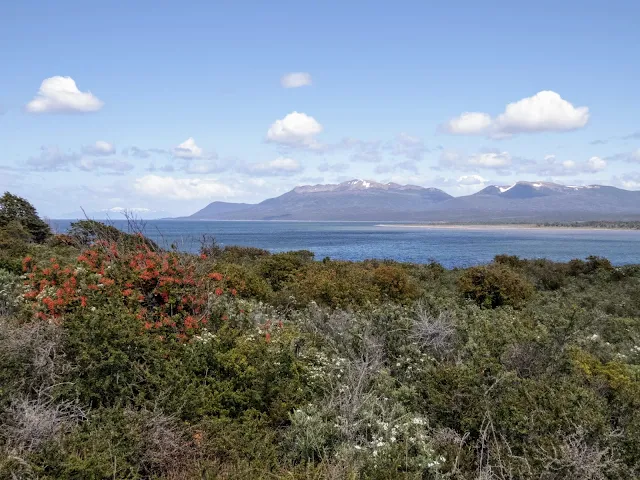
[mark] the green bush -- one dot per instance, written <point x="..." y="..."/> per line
<point x="494" y="286"/>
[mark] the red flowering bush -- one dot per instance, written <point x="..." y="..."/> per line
<point x="166" y="291"/>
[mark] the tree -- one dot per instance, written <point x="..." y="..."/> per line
<point x="17" y="209"/>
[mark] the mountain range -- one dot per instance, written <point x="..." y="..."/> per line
<point x="365" y="200"/>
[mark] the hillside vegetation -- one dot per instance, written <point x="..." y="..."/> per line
<point x="122" y="360"/>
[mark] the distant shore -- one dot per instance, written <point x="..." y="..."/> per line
<point x="510" y="226"/>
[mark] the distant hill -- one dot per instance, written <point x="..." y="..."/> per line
<point x="215" y="209"/>
<point x="363" y="200"/>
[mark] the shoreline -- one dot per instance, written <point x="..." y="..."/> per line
<point x="514" y="226"/>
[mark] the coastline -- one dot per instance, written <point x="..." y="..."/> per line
<point x="514" y="226"/>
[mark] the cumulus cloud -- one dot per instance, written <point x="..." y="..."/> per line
<point x="546" y="111"/>
<point x="188" y="149"/>
<point x="295" y="129"/>
<point x="182" y="188"/>
<point x="61" y="95"/>
<point x="595" y="164"/>
<point x="471" y="180"/>
<point x="279" y="166"/>
<point x="295" y="80"/>
<point x="99" y="149"/>
<point x="490" y="160"/>
<point x="469" y="123"/>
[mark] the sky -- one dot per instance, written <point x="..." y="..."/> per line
<point x="162" y="107"/>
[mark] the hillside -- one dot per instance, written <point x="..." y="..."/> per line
<point x="362" y="200"/>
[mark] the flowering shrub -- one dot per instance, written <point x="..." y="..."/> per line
<point x="167" y="293"/>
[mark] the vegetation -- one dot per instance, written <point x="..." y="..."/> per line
<point x="630" y="225"/>
<point x="122" y="360"/>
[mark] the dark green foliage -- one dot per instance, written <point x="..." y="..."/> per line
<point x="87" y="232"/>
<point x="282" y="268"/>
<point x="16" y="209"/>
<point x="494" y="286"/>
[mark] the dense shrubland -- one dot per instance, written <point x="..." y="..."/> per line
<point x="122" y="360"/>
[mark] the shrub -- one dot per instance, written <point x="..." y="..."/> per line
<point x="234" y="253"/>
<point x="10" y="292"/>
<point x="494" y="285"/>
<point x="89" y="232"/>
<point x="16" y="209"/>
<point x="395" y="283"/>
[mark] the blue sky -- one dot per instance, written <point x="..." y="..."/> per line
<point x="166" y="106"/>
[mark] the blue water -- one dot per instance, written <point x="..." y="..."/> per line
<point x="360" y="241"/>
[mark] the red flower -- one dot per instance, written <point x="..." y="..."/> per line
<point x="215" y="276"/>
<point x="218" y="291"/>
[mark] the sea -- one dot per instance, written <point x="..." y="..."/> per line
<point x="459" y="247"/>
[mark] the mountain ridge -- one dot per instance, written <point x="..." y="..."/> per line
<point x="367" y="200"/>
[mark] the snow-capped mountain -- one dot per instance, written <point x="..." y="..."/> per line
<point x="366" y="200"/>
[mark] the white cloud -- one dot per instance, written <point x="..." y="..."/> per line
<point x="405" y="145"/>
<point x="295" y="80"/>
<point x="205" y="166"/>
<point x="125" y="210"/>
<point x="333" y="167"/>
<point x="187" y="149"/>
<point x="489" y="160"/>
<point x="182" y="188"/>
<point x="99" y="149"/>
<point x="596" y="164"/>
<point x="113" y="164"/>
<point x="279" y="166"/>
<point x="51" y="158"/>
<point x="60" y="95"/>
<point x="296" y="129"/>
<point x="554" y="167"/>
<point x="471" y="180"/>
<point x="546" y="111"/>
<point x="469" y="123"/>
<point x="408" y="166"/>
<point x="628" y="181"/>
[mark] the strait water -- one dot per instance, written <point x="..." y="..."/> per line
<point x="363" y="240"/>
